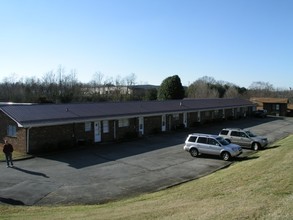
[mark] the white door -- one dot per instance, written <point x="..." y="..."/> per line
<point x="185" y="119"/>
<point x="97" y="131"/>
<point x="163" y="122"/>
<point x="141" y="125"/>
<point x="198" y="117"/>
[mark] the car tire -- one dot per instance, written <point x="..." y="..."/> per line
<point x="226" y="156"/>
<point x="229" y="141"/>
<point x="193" y="152"/>
<point x="255" y="146"/>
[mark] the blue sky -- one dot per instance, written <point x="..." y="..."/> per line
<point x="238" y="41"/>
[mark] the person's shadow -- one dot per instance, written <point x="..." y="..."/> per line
<point x="30" y="172"/>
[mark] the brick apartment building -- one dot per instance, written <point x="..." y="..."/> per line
<point x="34" y="128"/>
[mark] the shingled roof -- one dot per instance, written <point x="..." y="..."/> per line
<point x="269" y="100"/>
<point x="53" y="114"/>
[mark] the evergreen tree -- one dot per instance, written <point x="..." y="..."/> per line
<point x="171" y="88"/>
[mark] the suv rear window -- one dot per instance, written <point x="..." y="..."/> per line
<point x="224" y="132"/>
<point x="192" y="138"/>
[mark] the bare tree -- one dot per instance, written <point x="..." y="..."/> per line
<point x="261" y="89"/>
<point x="201" y="89"/>
<point x="231" y="92"/>
<point x="50" y="86"/>
<point x="130" y="81"/>
<point x="97" y="79"/>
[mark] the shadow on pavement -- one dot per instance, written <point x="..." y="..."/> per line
<point x="107" y="152"/>
<point x="30" y="172"/>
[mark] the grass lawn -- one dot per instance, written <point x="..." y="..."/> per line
<point x="260" y="187"/>
<point x="15" y="155"/>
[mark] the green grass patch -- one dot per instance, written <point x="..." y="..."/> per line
<point x="15" y="156"/>
<point x="260" y="187"/>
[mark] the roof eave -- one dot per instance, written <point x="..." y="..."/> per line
<point x="117" y="117"/>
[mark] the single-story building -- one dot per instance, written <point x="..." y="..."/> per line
<point x="290" y="110"/>
<point x="37" y="128"/>
<point x="274" y="106"/>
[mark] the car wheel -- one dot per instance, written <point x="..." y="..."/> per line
<point x="193" y="152"/>
<point x="226" y="156"/>
<point x="255" y="146"/>
<point x="229" y="141"/>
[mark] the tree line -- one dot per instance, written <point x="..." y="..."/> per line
<point x="62" y="87"/>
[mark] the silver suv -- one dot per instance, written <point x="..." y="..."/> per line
<point x="197" y="144"/>
<point x="245" y="138"/>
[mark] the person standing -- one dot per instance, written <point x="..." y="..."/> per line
<point x="7" y="150"/>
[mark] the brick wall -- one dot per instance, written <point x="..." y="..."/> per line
<point x="271" y="108"/>
<point x="128" y="132"/>
<point x="152" y="125"/>
<point x="19" y="141"/>
<point x="81" y="136"/>
<point x="192" y="119"/>
<point x="51" y="138"/>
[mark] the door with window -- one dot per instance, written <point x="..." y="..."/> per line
<point x="185" y="119"/>
<point x="235" y="137"/>
<point x="244" y="139"/>
<point x="202" y="145"/>
<point x="97" y="131"/>
<point x="214" y="146"/>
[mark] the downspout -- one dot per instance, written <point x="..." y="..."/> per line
<point x="27" y="139"/>
<point x="115" y="134"/>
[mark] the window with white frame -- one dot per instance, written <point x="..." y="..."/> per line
<point x="105" y="126"/>
<point x="87" y="126"/>
<point x="11" y="130"/>
<point x="123" y="122"/>
<point x="176" y="116"/>
<point x="277" y="107"/>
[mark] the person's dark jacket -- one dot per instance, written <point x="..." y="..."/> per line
<point x="7" y="148"/>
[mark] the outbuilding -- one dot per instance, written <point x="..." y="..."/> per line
<point x="274" y="106"/>
<point x="34" y="128"/>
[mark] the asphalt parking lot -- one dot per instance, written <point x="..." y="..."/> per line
<point x="109" y="172"/>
